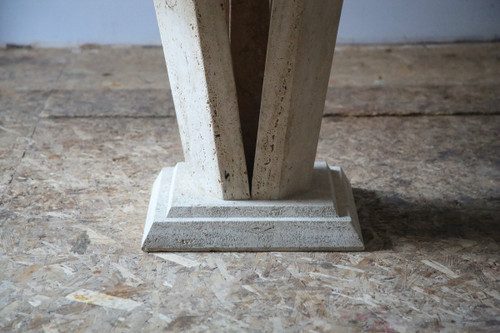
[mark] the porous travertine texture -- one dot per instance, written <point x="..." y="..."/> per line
<point x="196" y="46"/>
<point x="182" y="218"/>
<point x="299" y="58"/>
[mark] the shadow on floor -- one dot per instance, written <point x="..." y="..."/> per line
<point x="385" y="216"/>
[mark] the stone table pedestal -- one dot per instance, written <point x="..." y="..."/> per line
<point x="249" y="82"/>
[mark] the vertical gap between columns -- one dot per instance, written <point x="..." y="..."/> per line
<point x="248" y="33"/>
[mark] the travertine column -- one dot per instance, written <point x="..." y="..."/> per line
<point x="195" y="39"/>
<point x="299" y="57"/>
<point x="296" y="66"/>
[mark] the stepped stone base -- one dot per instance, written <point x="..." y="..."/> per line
<point x="182" y="217"/>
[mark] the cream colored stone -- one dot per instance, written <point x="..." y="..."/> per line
<point x="196" y="46"/>
<point x="180" y="218"/>
<point x="299" y="57"/>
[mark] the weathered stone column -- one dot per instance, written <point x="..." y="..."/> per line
<point x="299" y="58"/>
<point x="196" y="43"/>
<point x="249" y="83"/>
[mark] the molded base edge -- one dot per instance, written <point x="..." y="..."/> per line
<point x="181" y="217"/>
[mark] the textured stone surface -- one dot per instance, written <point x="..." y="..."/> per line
<point x="72" y="212"/>
<point x="302" y="38"/>
<point x="195" y="39"/>
<point x="182" y="217"/>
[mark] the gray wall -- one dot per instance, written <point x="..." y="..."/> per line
<point x="73" y="22"/>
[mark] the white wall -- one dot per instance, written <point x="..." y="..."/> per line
<point x="72" y="22"/>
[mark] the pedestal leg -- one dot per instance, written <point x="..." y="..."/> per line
<point x="196" y="46"/>
<point x="318" y="212"/>
<point x="299" y="57"/>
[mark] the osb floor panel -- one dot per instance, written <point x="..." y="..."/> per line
<point x="84" y="132"/>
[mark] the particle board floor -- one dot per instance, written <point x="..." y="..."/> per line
<point x="84" y="132"/>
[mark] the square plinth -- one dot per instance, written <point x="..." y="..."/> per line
<point x="183" y="217"/>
